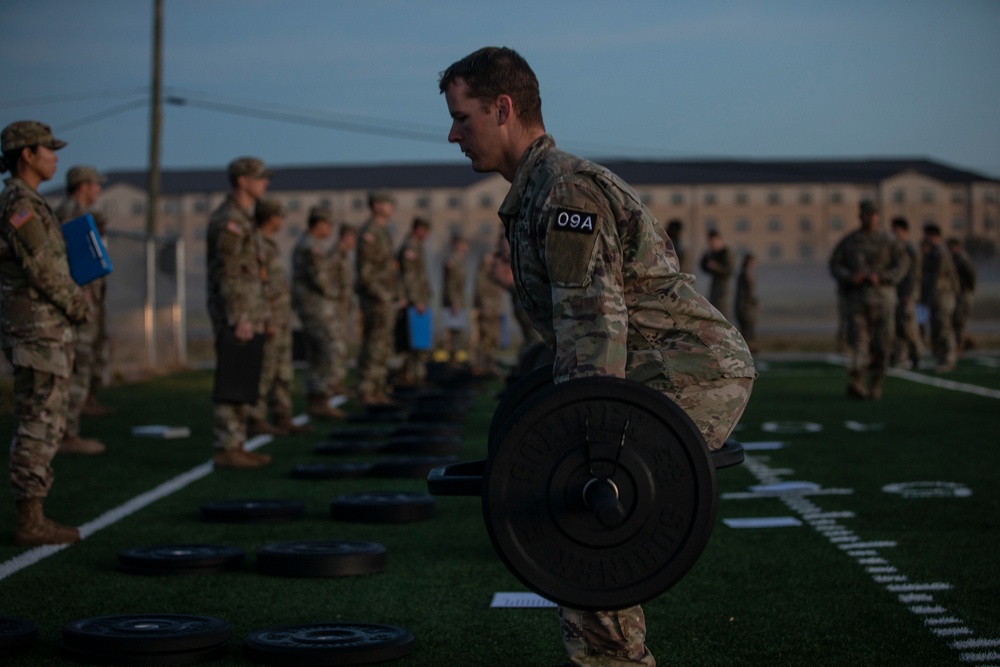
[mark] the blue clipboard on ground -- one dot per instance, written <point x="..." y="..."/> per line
<point x="420" y="325"/>
<point x="85" y="251"/>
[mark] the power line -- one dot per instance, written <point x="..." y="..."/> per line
<point x="72" y="97"/>
<point x="101" y="115"/>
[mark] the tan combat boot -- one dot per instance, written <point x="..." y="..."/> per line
<point x="318" y="408"/>
<point x="94" y="408"/>
<point x="257" y="427"/>
<point x="74" y="444"/>
<point x="32" y="529"/>
<point x="239" y="459"/>
<point x="288" y="427"/>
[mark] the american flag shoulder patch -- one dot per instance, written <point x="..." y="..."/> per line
<point x="20" y="218"/>
<point x="233" y="227"/>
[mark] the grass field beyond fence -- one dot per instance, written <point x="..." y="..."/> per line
<point x="870" y="577"/>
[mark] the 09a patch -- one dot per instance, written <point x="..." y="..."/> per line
<point x="570" y="245"/>
<point x="568" y="220"/>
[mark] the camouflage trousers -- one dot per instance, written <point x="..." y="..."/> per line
<point x="960" y="320"/>
<point x="870" y="335"/>
<point x="82" y="378"/>
<point x="414" y="369"/>
<point x="942" y="332"/>
<point x="276" y="378"/>
<point x="229" y="424"/>
<point x="378" y="318"/>
<point x="317" y="339"/>
<point x="617" y="638"/>
<point x="907" y="345"/>
<point x="341" y="334"/>
<point x="40" y="401"/>
<point x="489" y="341"/>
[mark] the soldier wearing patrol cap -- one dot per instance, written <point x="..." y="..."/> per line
<point x="236" y="295"/>
<point x="601" y="283"/>
<point x="342" y="281"/>
<point x="379" y="297"/>
<point x="416" y="286"/>
<point x="39" y="305"/>
<point x="83" y="187"/>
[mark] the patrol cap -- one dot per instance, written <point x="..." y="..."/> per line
<point x="320" y="213"/>
<point x="376" y="196"/>
<point x="265" y="209"/>
<point x="248" y="166"/>
<point x="23" y="133"/>
<point x="82" y="174"/>
<point x="867" y="206"/>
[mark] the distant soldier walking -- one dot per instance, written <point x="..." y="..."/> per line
<point x="966" y="271"/>
<point x="908" y="347"/>
<point x="491" y="284"/>
<point x="417" y="294"/>
<point x="718" y="263"/>
<point x="454" y="299"/>
<point x="39" y="306"/>
<point x="867" y="264"/>
<point x="747" y="304"/>
<point x="344" y="324"/>
<point x="938" y="292"/>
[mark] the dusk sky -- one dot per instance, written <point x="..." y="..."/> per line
<point x="307" y="82"/>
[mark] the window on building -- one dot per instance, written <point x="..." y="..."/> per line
<point x="989" y="223"/>
<point x="170" y="206"/>
<point x="836" y="224"/>
<point x="488" y="228"/>
<point x="326" y="203"/>
<point x="805" y="225"/>
<point x="486" y="201"/>
<point x="138" y="208"/>
<point x="200" y="206"/>
<point x="989" y="197"/>
<point x="711" y="224"/>
<point x="423" y="202"/>
<point x="899" y="197"/>
<point x="927" y="196"/>
<point x="359" y="204"/>
<point x="742" y="198"/>
<point x="742" y="225"/>
<point x="454" y="202"/>
<point x="774" y="251"/>
<point x="806" y="251"/>
<point x="741" y="250"/>
<point x="805" y="197"/>
<point x="110" y="209"/>
<point x="957" y="224"/>
<point x="677" y="199"/>
<point x="773" y="197"/>
<point x="957" y="197"/>
<point x="836" y="197"/>
<point x="774" y="224"/>
<point x="710" y="199"/>
<point x="293" y="231"/>
<point x="293" y="204"/>
<point x="646" y="198"/>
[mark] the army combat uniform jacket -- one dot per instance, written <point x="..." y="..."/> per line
<point x="236" y="273"/>
<point x="312" y="290"/>
<point x="413" y="272"/>
<point x="378" y="271"/>
<point x="602" y="284"/>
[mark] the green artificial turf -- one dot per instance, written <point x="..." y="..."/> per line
<point x="778" y="596"/>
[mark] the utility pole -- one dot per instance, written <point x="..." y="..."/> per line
<point x="153" y="184"/>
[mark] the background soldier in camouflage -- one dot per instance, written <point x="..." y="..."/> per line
<point x="417" y="294"/>
<point x="747" y="304"/>
<point x="313" y="297"/>
<point x="454" y="300"/>
<point x="83" y="187"/>
<point x="601" y="283"/>
<point x="966" y="271"/>
<point x="236" y="296"/>
<point x="39" y="304"/>
<point x="908" y="347"/>
<point x="718" y="263"/>
<point x="342" y="281"/>
<point x="276" y="375"/>
<point x="938" y="292"/>
<point x="674" y="229"/>
<point x="488" y="294"/>
<point x="867" y="264"/>
<point x="379" y="296"/>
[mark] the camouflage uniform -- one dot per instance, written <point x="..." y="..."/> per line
<point x="938" y="291"/>
<point x="488" y="302"/>
<point x="454" y="301"/>
<point x="908" y="341"/>
<point x="869" y="308"/>
<point x="416" y="287"/>
<point x="312" y="298"/>
<point x="966" y="288"/>
<point x="378" y="292"/>
<point x="276" y="375"/>
<point x="747" y="306"/>
<point x="39" y="304"/>
<point x="718" y="293"/>
<point x="342" y="330"/>
<point x="603" y="287"/>
<point x="235" y="292"/>
<point x="87" y="333"/>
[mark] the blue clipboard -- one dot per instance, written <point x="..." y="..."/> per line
<point x="420" y="325"/>
<point x="85" y="251"/>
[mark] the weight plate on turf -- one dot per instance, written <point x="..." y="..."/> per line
<point x="16" y="633"/>
<point x="180" y="559"/>
<point x="349" y="447"/>
<point x="331" y="470"/>
<point x="328" y="644"/>
<point x="145" y="633"/>
<point x="535" y="480"/>
<point x="360" y="433"/>
<point x="457" y="479"/>
<point x="402" y="467"/>
<point x="322" y="558"/>
<point x="252" y="511"/>
<point x="442" y="429"/>
<point x="167" y="659"/>
<point x="383" y="507"/>
<point x="514" y="396"/>
<point x="424" y="445"/>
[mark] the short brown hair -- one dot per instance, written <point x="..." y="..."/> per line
<point x="493" y="71"/>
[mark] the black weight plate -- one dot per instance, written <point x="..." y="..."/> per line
<point x="331" y="470"/>
<point x="730" y="454"/>
<point x="172" y="572"/>
<point x="145" y="633"/>
<point x="252" y="511"/>
<point x="442" y="429"/>
<point x="424" y="445"/>
<point x="322" y="558"/>
<point x="457" y="479"/>
<point x="514" y="396"/>
<point x="383" y="507"/>
<point x="533" y="501"/>
<point x="374" y="433"/>
<point x="409" y="467"/>
<point x="16" y="633"/>
<point x="182" y="557"/>
<point x="169" y="659"/>
<point x="322" y="644"/>
<point x="349" y="447"/>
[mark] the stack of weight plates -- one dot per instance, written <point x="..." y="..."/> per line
<point x="145" y="639"/>
<point x="328" y="644"/>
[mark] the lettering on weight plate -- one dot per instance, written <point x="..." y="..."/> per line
<point x="575" y="221"/>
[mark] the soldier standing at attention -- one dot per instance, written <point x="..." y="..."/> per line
<point x="312" y="297"/>
<point x="378" y="293"/>
<point x="236" y="296"/>
<point x="39" y="304"/>
<point x="417" y="294"/>
<point x="454" y="300"/>
<point x="938" y="291"/>
<point x="276" y="375"/>
<point x="674" y="229"/>
<point x="489" y="290"/>
<point x="867" y="264"/>
<point x="747" y="304"/>
<point x="718" y="263"/>
<point x="966" y="288"/>
<point x="908" y="347"/>
<point x="342" y="280"/>
<point x="601" y="283"/>
<point x="83" y="187"/>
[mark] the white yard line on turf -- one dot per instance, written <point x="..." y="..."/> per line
<point x="940" y="383"/>
<point x="32" y="556"/>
